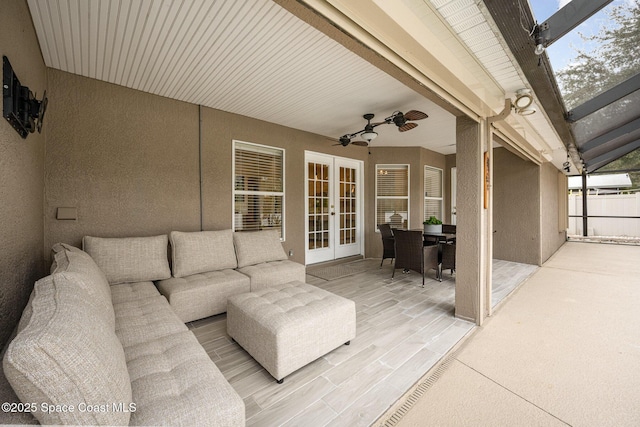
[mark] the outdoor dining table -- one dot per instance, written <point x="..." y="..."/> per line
<point x="439" y="237"/>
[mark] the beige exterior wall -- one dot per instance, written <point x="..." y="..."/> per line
<point x="553" y="208"/>
<point x="21" y="173"/>
<point x="126" y="160"/>
<point x="516" y="208"/>
<point x="129" y="162"/>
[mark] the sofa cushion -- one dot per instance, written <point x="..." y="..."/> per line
<point x="202" y="295"/>
<point x="201" y="251"/>
<point x="74" y="354"/>
<point x="125" y="292"/>
<point x="130" y="259"/>
<point x="67" y="258"/>
<point x="273" y="273"/>
<point x="174" y="382"/>
<point x="255" y="247"/>
<point x="144" y="320"/>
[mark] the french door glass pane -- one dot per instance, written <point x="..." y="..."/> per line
<point x="347" y="205"/>
<point x="318" y="183"/>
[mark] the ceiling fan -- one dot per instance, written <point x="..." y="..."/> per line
<point x="404" y="122"/>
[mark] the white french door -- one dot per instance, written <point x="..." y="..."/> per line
<point x="334" y="207"/>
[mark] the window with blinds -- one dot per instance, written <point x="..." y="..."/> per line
<point x="258" y="187"/>
<point x="392" y="195"/>
<point x="433" y="201"/>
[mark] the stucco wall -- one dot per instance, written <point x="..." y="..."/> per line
<point x="129" y="162"/>
<point x="126" y="160"/>
<point x="21" y="177"/>
<point x="516" y="208"/>
<point x="552" y="233"/>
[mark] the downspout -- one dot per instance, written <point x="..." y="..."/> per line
<point x="503" y="114"/>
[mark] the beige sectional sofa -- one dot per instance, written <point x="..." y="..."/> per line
<point x="100" y="343"/>
<point x="97" y="344"/>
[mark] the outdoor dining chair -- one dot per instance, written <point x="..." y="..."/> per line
<point x="448" y="258"/>
<point x="412" y="254"/>
<point x="388" y="243"/>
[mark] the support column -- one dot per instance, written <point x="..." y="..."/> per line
<point x="472" y="264"/>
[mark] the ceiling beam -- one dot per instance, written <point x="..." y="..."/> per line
<point x="632" y="126"/>
<point x="617" y="92"/>
<point x="600" y="161"/>
<point x="566" y="19"/>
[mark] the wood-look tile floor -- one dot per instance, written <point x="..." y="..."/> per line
<point x="402" y="331"/>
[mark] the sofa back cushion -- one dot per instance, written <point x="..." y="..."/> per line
<point x="67" y="258"/>
<point x="68" y="354"/>
<point x="255" y="247"/>
<point x="201" y="251"/>
<point x="130" y="259"/>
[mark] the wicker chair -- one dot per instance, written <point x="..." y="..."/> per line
<point x="448" y="258"/>
<point x="412" y="254"/>
<point x="388" y="243"/>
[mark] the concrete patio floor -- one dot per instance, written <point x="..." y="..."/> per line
<point x="564" y="349"/>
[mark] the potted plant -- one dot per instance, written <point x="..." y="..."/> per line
<point x="432" y="225"/>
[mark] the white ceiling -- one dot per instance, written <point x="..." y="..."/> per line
<point x="248" y="57"/>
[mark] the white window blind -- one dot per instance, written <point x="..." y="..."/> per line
<point x="258" y="187"/>
<point x="392" y="195"/>
<point x="433" y="201"/>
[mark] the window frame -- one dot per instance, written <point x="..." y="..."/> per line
<point x="382" y="166"/>
<point x="424" y="191"/>
<point x="257" y="147"/>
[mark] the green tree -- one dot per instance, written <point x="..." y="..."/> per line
<point x="615" y="58"/>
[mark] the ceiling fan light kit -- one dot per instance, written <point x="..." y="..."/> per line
<point x="404" y="122"/>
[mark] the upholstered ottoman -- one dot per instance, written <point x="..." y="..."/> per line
<point x="285" y="327"/>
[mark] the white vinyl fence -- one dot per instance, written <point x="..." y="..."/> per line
<point x="627" y="205"/>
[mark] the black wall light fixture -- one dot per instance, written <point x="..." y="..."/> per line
<point x="19" y="105"/>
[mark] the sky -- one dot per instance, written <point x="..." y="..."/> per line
<point x="563" y="50"/>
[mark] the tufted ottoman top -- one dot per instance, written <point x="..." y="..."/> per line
<point x="280" y="305"/>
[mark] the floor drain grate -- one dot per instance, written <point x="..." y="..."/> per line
<point x="419" y="391"/>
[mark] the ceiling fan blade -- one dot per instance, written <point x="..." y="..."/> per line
<point x="415" y="115"/>
<point x="360" y="143"/>
<point x="407" y="126"/>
